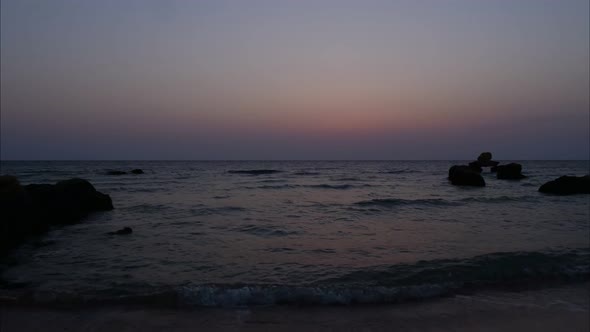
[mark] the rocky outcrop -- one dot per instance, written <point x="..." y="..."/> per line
<point x="474" y="165"/>
<point x="137" y="171"/>
<point x="567" y="185"/>
<point x="511" y="171"/>
<point x="485" y="160"/>
<point x="33" y="209"/>
<point x="465" y="176"/>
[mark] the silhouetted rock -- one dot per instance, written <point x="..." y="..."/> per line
<point x="123" y="231"/>
<point x="567" y="185"/>
<point x="137" y="171"/>
<point x="465" y="176"/>
<point x="494" y="169"/>
<point x="484" y="157"/>
<point x="32" y="209"/>
<point x="474" y="165"/>
<point x="116" y="173"/>
<point x="485" y="160"/>
<point x="511" y="171"/>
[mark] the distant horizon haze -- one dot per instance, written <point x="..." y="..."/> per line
<point x="286" y="80"/>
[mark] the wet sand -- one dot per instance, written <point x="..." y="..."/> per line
<point x="564" y="308"/>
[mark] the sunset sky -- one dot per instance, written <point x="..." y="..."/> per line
<point x="439" y="79"/>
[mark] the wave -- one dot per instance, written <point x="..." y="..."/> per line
<point x="346" y="179"/>
<point x="312" y="186"/>
<point x="336" y="186"/>
<point x="278" y="186"/>
<point x="501" y="199"/>
<point x="264" y="231"/>
<point x="380" y="284"/>
<point x="255" y="171"/>
<point x="392" y="202"/>
<point x="306" y="173"/>
<point x="205" y="211"/>
<point x="400" y="171"/>
<point x="370" y="285"/>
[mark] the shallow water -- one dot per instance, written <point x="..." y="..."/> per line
<point x="319" y="232"/>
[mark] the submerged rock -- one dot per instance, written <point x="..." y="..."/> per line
<point x="32" y="209"/>
<point x="511" y="171"/>
<point x="567" y="185"/>
<point x="137" y="171"/>
<point x="465" y="176"/>
<point x="122" y="231"/>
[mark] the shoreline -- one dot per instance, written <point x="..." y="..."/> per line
<point x="546" y="309"/>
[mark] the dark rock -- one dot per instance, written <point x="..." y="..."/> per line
<point x="484" y="157"/>
<point x="490" y="163"/>
<point x="567" y="185"/>
<point x="10" y="187"/>
<point x="123" y="231"/>
<point x="77" y="197"/>
<point x="34" y="208"/>
<point x="485" y="160"/>
<point x="137" y="171"/>
<point x="116" y="173"/>
<point x="465" y="176"/>
<point x="511" y="171"/>
<point x="494" y="169"/>
<point x="475" y="165"/>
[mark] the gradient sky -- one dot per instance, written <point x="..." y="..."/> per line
<point x="439" y="79"/>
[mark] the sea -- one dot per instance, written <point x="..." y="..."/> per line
<point x="266" y="233"/>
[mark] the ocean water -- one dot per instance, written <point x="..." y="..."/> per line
<point x="318" y="232"/>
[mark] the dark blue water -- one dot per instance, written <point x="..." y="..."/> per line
<point x="213" y="233"/>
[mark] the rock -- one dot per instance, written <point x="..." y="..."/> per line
<point x="34" y="208"/>
<point x="116" y="173"/>
<point x="494" y="169"/>
<point x="10" y="187"/>
<point x="123" y="231"/>
<point x="567" y="185"/>
<point x="511" y="171"/>
<point x="77" y="197"/>
<point x="465" y="176"/>
<point x="475" y="165"/>
<point x="484" y="157"/>
<point x="137" y="171"/>
<point x="490" y="163"/>
<point x="485" y="160"/>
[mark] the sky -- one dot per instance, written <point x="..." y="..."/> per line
<point x="281" y="79"/>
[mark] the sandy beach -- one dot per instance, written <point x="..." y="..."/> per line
<point x="563" y="308"/>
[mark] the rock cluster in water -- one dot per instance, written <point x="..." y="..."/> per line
<point x="470" y="175"/>
<point x="34" y="208"/>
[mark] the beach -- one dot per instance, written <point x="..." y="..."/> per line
<point x="560" y="308"/>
